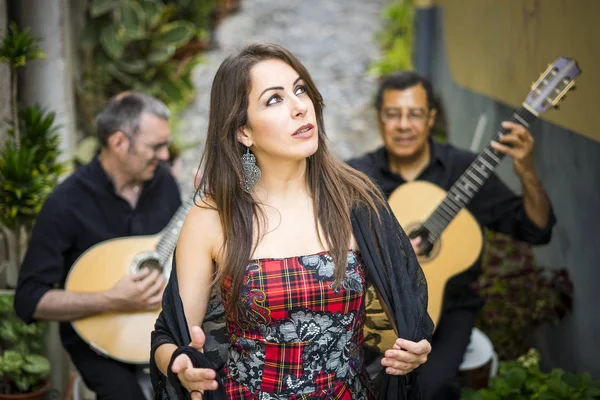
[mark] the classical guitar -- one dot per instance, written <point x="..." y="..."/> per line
<point x="123" y="336"/>
<point x="451" y="237"/>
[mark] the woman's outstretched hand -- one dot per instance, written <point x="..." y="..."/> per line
<point x="195" y="380"/>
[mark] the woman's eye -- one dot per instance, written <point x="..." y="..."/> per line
<point x="301" y="90"/>
<point x="273" y="99"/>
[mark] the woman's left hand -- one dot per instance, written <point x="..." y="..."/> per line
<point x="405" y="356"/>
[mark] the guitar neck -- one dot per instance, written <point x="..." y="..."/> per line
<point x="471" y="181"/>
<point x="170" y="233"/>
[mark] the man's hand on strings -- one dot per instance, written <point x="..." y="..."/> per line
<point x="517" y="143"/>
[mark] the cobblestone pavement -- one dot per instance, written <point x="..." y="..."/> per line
<point x="335" y="39"/>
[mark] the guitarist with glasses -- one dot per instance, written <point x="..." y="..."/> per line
<point x="407" y="111"/>
<point x="124" y="191"/>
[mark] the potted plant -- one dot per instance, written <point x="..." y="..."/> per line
<point x="519" y="295"/>
<point x="522" y="379"/>
<point x="29" y="166"/>
<point x="24" y="370"/>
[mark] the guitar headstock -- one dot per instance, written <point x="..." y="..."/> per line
<point x="553" y="84"/>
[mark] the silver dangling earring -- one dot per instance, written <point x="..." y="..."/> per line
<point x="250" y="170"/>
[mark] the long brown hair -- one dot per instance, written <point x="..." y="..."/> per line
<point x="335" y="187"/>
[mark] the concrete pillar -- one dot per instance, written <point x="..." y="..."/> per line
<point x="4" y="114"/>
<point x="4" y="77"/>
<point x="49" y="82"/>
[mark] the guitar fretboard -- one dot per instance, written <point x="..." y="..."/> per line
<point x="170" y="233"/>
<point x="469" y="183"/>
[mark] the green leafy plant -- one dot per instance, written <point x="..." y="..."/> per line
<point x="17" y="47"/>
<point x="28" y="172"/>
<point x="523" y="380"/>
<point x="132" y="45"/>
<point x="29" y="164"/>
<point x="27" y="372"/>
<point x="23" y="187"/>
<point x="23" y="367"/>
<point x="519" y="295"/>
<point x="396" y="39"/>
<point x="201" y="13"/>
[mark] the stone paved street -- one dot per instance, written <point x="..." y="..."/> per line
<point x="335" y="39"/>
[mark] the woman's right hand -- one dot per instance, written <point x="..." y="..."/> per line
<point x="195" y="380"/>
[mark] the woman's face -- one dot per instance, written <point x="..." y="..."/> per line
<point x="281" y="116"/>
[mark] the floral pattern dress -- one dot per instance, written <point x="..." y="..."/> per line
<point x="295" y="336"/>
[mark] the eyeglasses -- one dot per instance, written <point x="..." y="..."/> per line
<point x="414" y="116"/>
<point x="155" y="148"/>
<point x="158" y="146"/>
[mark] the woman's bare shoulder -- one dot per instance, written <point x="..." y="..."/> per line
<point x="202" y="227"/>
<point x="204" y="209"/>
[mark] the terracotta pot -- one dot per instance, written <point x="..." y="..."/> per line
<point x="37" y="395"/>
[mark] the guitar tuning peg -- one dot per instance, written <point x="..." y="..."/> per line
<point x="556" y="107"/>
<point x="573" y="87"/>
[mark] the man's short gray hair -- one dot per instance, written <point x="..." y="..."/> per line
<point x="124" y="112"/>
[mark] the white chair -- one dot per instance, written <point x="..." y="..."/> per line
<point x="480" y="361"/>
<point x="80" y="390"/>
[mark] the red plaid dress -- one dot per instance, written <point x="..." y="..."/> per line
<point x="294" y="336"/>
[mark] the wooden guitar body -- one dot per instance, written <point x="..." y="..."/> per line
<point x="122" y="336"/>
<point x="455" y="251"/>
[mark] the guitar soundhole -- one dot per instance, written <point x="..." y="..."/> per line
<point x="151" y="264"/>
<point x="148" y="259"/>
<point x="428" y="250"/>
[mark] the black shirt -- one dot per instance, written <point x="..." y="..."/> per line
<point x="495" y="206"/>
<point x="83" y="211"/>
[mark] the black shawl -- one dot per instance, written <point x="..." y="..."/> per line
<point x="392" y="268"/>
